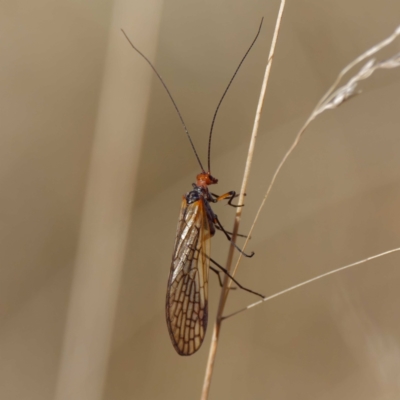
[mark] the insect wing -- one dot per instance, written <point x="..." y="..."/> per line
<point x="187" y="293"/>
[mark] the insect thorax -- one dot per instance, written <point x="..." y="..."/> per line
<point x="196" y="194"/>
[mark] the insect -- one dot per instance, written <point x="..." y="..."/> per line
<point x="187" y="291"/>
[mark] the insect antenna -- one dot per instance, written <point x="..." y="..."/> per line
<point x="170" y="96"/>
<point x="229" y="84"/>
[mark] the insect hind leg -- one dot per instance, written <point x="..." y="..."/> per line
<point x="233" y="279"/>
<point x="219" y="278"/>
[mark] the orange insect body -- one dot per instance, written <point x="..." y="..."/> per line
<point x="187" y="292"/>
<point x="186" y="305"/>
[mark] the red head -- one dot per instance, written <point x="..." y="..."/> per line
<point x="205" y="179"/>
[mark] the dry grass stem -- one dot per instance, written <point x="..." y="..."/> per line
<point x="333" y="98"/>
<point x="224" y="291"/>
<point x="312" y="280"/>
<point x="329" y="95"/>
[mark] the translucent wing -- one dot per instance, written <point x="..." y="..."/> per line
<point x="186" y="306"/>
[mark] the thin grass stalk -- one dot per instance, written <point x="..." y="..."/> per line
<point x="225" y="289"/>
<point x="316" y="278"/>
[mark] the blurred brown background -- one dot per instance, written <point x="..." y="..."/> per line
<point x="93" y="166"/>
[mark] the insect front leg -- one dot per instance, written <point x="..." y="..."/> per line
<point x="230" y="196"/>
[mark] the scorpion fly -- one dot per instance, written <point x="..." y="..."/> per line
<point x="187" y="292"/>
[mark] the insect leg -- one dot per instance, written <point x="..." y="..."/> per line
<point x="238" y="234"/>
<point x="234" y="280"/>
<point x="218" y="223"/>
<point x="230" y="196"/>
<point x="219" y="278"/>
